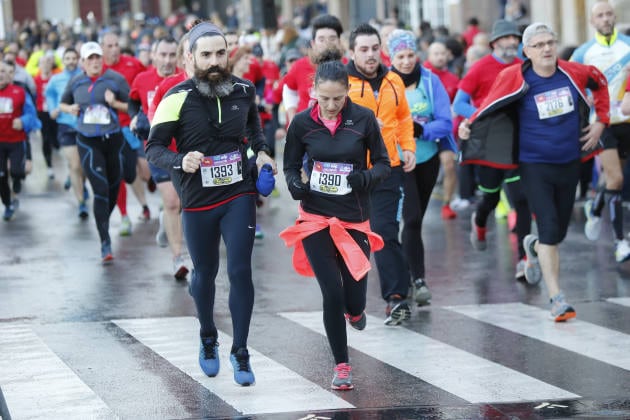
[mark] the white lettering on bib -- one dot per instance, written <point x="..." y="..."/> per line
<point x="6" y="106"/>
<point x="554" y="103"/>
<point x="331" y="178"/>
<point x="150" y="96"/>
<point x="221" y="170"/>
<point x="96" y="114"/>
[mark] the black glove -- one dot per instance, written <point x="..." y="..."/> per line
<point x="418" y="130"/>
<point x="359" y="180"/>
<point x="142" y="126"/>
<point x="298" y="189"/>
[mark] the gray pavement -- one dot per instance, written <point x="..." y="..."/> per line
<point x="79" y="340"/>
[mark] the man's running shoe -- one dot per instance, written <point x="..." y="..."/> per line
<point x="477" y="234"/>
<point x="342" y="378"/>
<point x="209" y="356"/>
<point x="146" y="214"/>
<point x="180" y="269"/>
<point x="560" y="310"/>
<point x="520" y="269"/>
<point x="106" y="253"/>
<point x="83" y="211"/>
<point x="622" y="251"/>
<point x="9" y="213"/>
<point x="533" y="273"/>
<point x="125" y="226"/>
<point x="160" y="238"/>
<point x="357" y="322"/>
<point x="51" y="173"/>
<point x="243" y="374"/>
<point x="593" y="225"/>
<point x="398" y="311"/>
<point x="67" y="184"/>
<point x="421" y="292"/>
<point x="448" y="213"/>
<point x="259" y="234"/>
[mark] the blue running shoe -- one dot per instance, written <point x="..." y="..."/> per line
<point x="83" y="211"/>
<point x="106" y="253"/>
<point x="9" y="212"/>
<point x="243" y="374"/>
<point x="259" y="234"/>
<point x="209" y="356"/>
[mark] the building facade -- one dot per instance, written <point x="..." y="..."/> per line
<point x="569" y="17"/>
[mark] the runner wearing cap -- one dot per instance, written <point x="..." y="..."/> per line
<point x="95" y="96"/>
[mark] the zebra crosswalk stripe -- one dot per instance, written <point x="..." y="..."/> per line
<point x="37" y="384"/>
<point x="625" y="301"/>
<point x="278" y="389"/>
<point x="581" y="337"/>
<point x="440" y="364"/>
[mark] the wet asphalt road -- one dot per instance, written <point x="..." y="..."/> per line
<point x="79" y="340"/>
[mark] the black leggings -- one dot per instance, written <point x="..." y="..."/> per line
<point x="341" y="293"/>
<point x="235" y="221"/>
<point x="101" y="161"/>
<point x="15" y="153"/>
<point x="550" y="190"/>
<point x="49" y="136"/>
<point x="490" y="181"/>
<point x="417" y="189"/>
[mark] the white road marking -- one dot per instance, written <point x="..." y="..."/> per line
<point x="278" y="389"/>
<point x="38" y="385"/>
<point x="463" y="374"/>
<point x="581" y="337"/>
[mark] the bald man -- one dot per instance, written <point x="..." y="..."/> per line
<point x="609" y="51"/>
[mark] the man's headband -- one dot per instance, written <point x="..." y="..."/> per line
<point x="203" y="29"/>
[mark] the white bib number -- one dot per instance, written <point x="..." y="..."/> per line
<point x="6" y="106"/>
<point x="554" y="103"/>
<point x="221" y="170"/>
<point x="331" y="178"/>
<point x="96" y="114"/>
<point x="150" y="96"/>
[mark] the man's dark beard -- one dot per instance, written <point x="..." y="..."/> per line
<point x="211" y="85"/>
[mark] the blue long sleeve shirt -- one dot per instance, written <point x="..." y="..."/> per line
<point x="54" y="90"/>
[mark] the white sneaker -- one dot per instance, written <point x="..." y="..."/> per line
<point x="180" y="269"/>
<point x="533" y="272"/>
<point x="460" y="204"/>
<point x="593" y="225"/>
<point x="160" y="238"/>
<point x="125" y="226"/>
<point x="520" y="269"/>
<point x="622" y="251"/>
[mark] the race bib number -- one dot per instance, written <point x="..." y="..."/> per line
<point x="6" y="106"/>
<point x="219" y="170"/>
<point x="96" y="114"/>
<point x="150" y="96"/>
<point x="331" y="178"/>
<point x="554" y="103"/>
